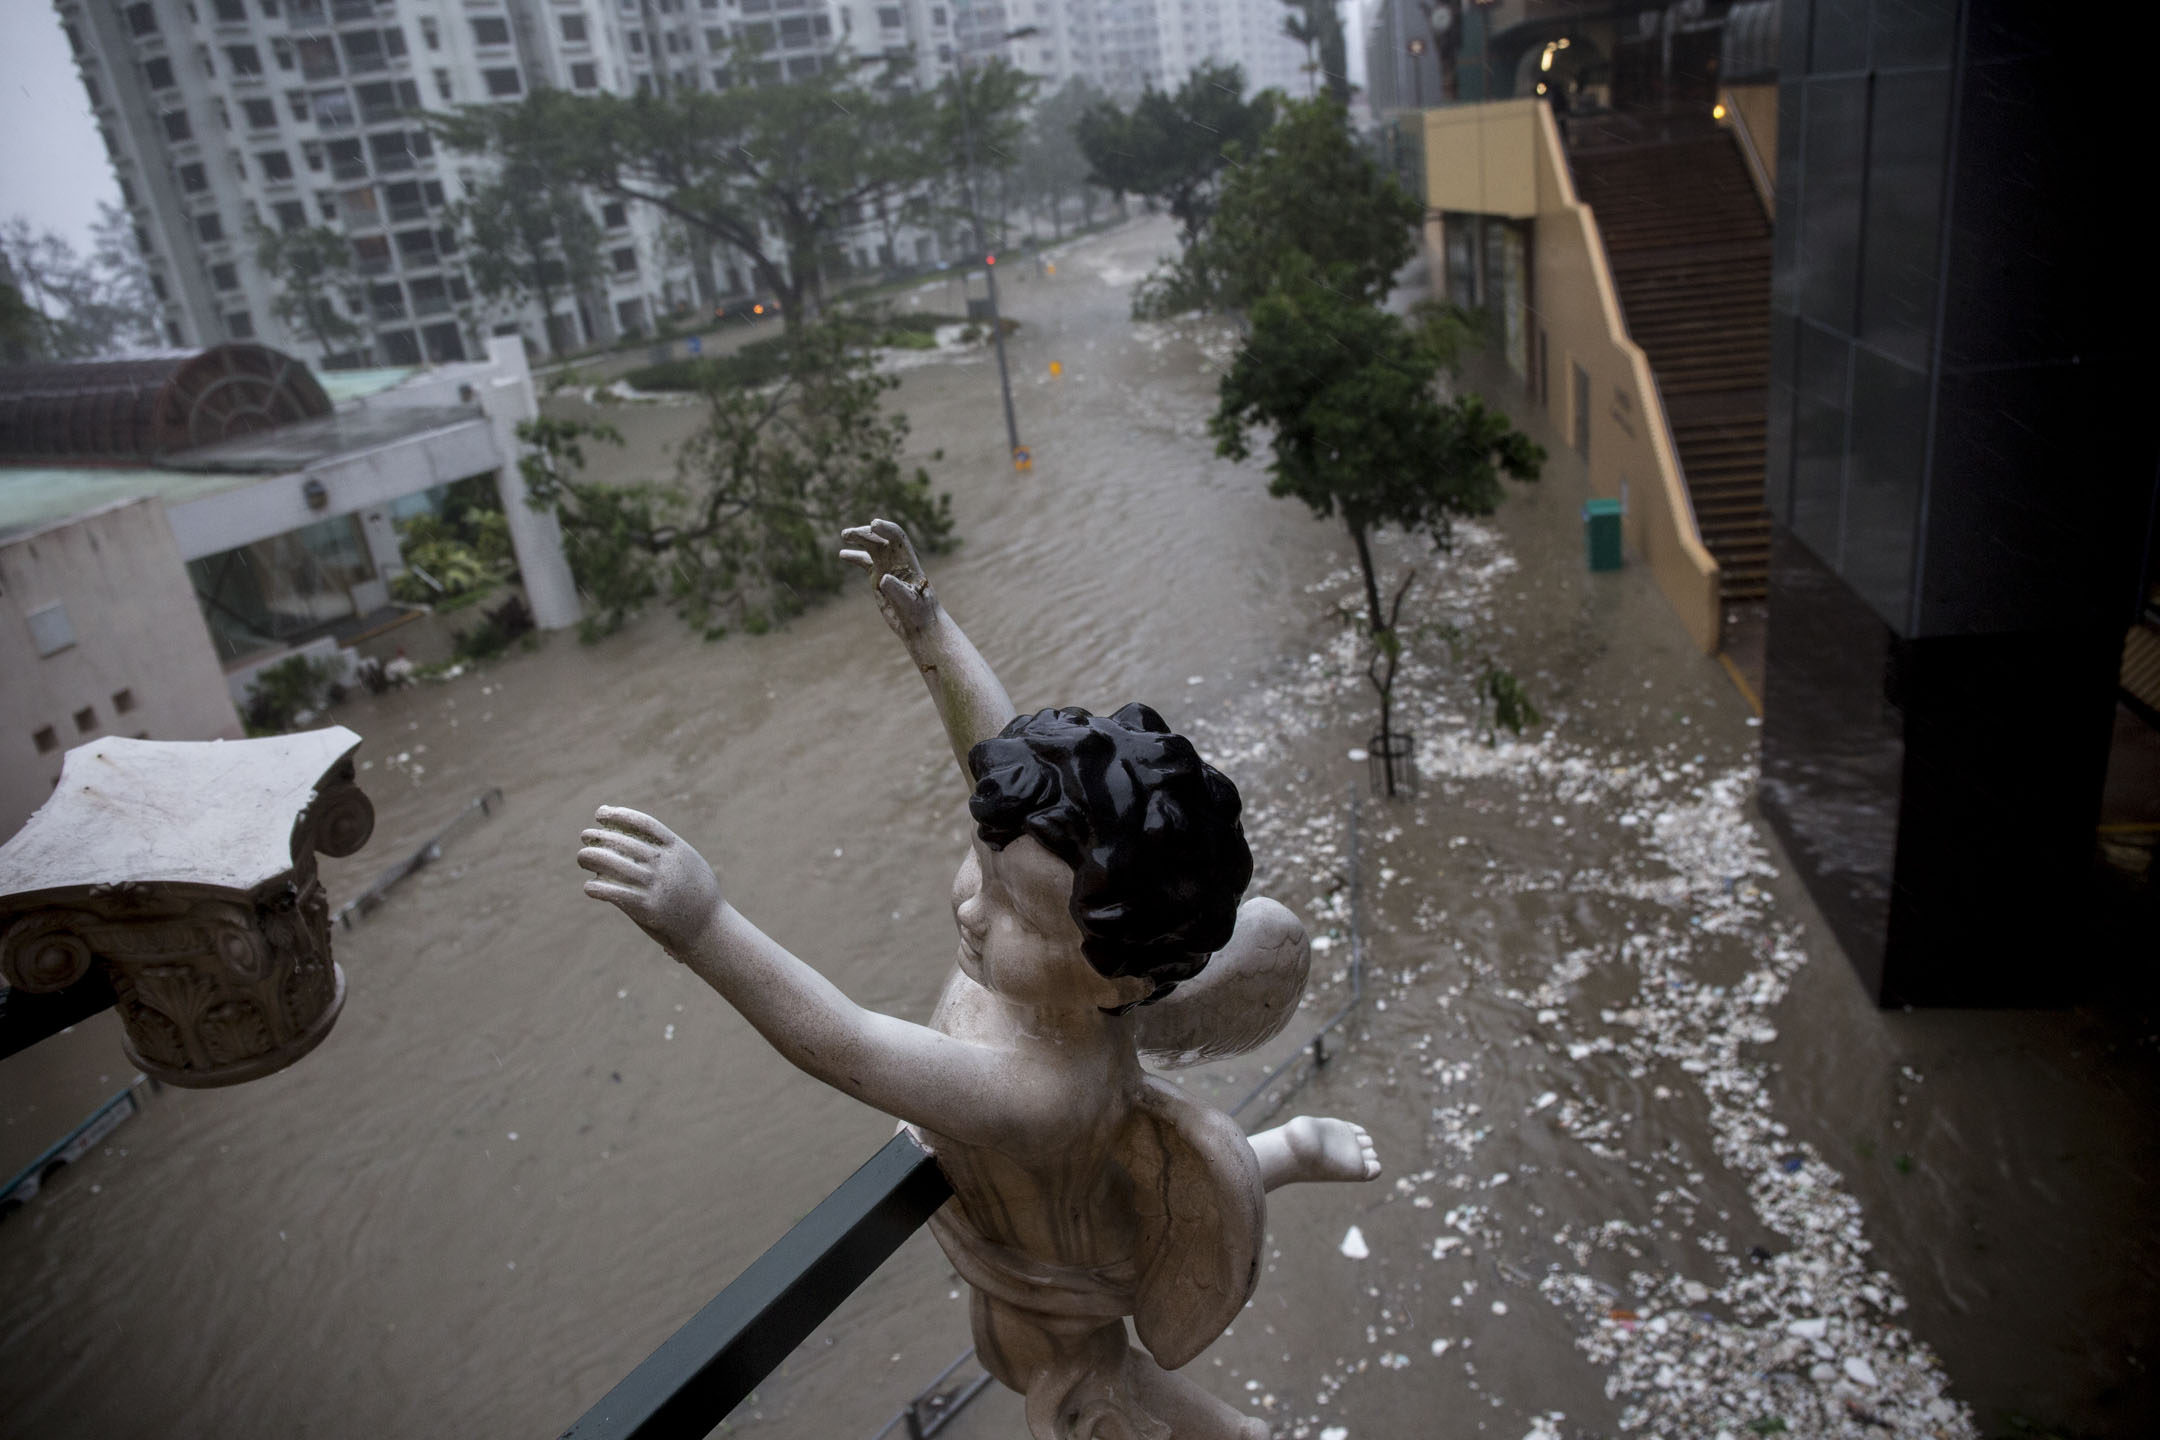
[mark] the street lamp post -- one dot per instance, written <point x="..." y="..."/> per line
<point x="1020" y="457"/>
<point x="1417" y="69"/>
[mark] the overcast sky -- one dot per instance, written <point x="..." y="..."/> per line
<point x="52" y="168"/>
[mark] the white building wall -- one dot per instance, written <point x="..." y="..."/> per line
<point x="138" y="661"/>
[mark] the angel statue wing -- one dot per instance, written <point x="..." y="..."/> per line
<point x="1247" y="993"/>
<point x="1202" y="1213"/>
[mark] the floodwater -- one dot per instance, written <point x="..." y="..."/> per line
<point x="1651" y="1164"/>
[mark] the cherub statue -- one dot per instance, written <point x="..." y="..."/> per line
<point x="1099" y="920"/>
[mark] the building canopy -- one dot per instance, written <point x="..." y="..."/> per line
<point x="112" y="411"/>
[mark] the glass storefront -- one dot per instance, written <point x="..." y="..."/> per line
<point x="283" y="590"/>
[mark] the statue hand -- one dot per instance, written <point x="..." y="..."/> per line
<point x="651" y="874"/>
<point x="903" y="591"/>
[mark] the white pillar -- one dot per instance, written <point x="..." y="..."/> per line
<point x="536" y="535"/>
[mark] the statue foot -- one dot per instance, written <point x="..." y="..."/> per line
<point x="1313" y="1148"/>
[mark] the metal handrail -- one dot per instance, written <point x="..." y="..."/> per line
<point x="429" y="852"/>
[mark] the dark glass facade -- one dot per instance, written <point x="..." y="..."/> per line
<point x="1961" y="479"/>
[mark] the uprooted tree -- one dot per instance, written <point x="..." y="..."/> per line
<point x="745" y="533"/>
<point x="1360" y="432"/>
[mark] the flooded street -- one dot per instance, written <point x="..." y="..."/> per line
<point x="1652" y="1164"/>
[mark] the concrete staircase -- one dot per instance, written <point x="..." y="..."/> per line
<point x="1689" y="249"/>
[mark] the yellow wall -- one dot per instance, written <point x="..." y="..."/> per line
<point x="1751" y="111"/>
<point x="1481" y="158"/>
<point x="1510" y="156"/>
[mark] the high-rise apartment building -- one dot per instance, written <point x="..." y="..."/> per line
<point x="292" y="114"/>
<point x="219" y="114"/>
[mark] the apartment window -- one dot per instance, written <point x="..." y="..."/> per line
<point x="359" y="208"/>
<point x="318" y="56"/>
<point x="757" y="7"/>
<point x="371" y="255"/>
<point x="716" y="41"/>
<point x="937" y="16"/>
<point x="674" y="42"/>
<point x="157" y="286"/>
<point x="795" y="32"/>
<point x="390" y="152"/>
<point x="430" y="296"/>
<point x="637" y="42"/>
<point x="311" y="151"/>
<point x="363" y="51"/>
<point x="177" y="127"/>
<point x="573" y="29"/>
<point x="583" y="76"/>
<point x="889" y="17"/>
<point x="209" y="227"/>
<point x="193" y="179"/>
<point x="624" y="260"/>
<point x="758" y="38"/>
<point x="225" y="276"/>
<point x="173" y="337"/>
<point x="333" y="110"/>
<point x="432" y="190"/>
<point x="490" y="30"/>
<point x="442" y="83"/>
<point x="141" y="19"/>
<point x="399" y="347"/>
<point x="393" y="40"/>
<point x="346" y="161"/>
<point x="404" y="201"/>
<point x="445" y="346"/>
<point x="721" y="79"/>
<point x="157" y="73"/>
<point x="291" y="215"/>
<point x="822" y="24"/>
<point x="230" y="12"/>
<point x="429" y="35"/>
<point x="244" y="59"/>
<point x="613" y="215"/>
<point x="276" y="164"/>
<point x="378" y="102"/>
<point x="459" y="290"/>
<point x="502" y="82"/>
<point x="281" y="51"/>
<point x="416" y="247"/>
<point x="240" y="325"/>
<point x="386" y="302"/>
<point x="802" y="67"/>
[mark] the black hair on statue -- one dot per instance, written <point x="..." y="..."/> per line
<point x="1150" y="829"/>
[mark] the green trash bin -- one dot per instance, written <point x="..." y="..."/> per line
<point x="1601" y="533"/>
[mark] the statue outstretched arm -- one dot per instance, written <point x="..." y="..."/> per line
<point x="970" y="702"/>
<point x="909" y="1071"/>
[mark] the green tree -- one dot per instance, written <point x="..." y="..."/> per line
<point x="1052" y="164"/>
<point x="1317" y="25"/>
<point x="990" y="100"/>
<point x="746" y="532"/>
<point x="1172" y="147"/>
<point x="1360" y="433"/>
<point x="73" y="307"/>
<point x="312" y="269"/>
<point x="1306" y="192"/>
<point x="529" y="238"/>
<point x="775" y="172"/>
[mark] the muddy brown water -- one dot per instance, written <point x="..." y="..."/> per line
<point x="533" y="1146"/>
